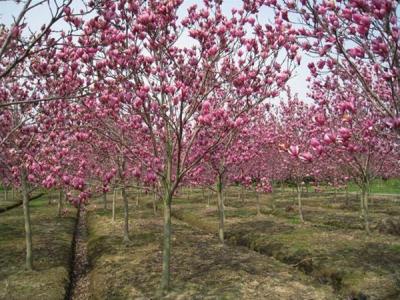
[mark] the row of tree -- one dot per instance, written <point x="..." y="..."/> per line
<point x="132" y="94"/>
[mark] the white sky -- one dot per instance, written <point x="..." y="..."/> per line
<point x="40" y="15"/>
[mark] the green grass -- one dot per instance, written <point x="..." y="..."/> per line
<point x="52" y="238"/>
<point x="379" y="186"/>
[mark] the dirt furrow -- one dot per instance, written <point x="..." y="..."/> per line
<point x="79" y="288"/>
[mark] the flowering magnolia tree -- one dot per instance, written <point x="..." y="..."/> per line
<point x="227" y="159"/>
<point x="358" y="41"/>
<point x="34" y="69"/>
<point x="294" y="131"/>
<point x="177" y="92"/>
<point x="354" y="137"/>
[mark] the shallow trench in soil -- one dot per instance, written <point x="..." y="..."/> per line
<point x="79" y="286"/>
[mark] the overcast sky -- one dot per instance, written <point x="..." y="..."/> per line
<point x="40" y="15"/>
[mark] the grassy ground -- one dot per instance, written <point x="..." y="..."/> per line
<point x="201" y="267"/>
<point x="379" y="186"/>
<point x="51" y="249"/>
<point x="10" y="200"/>
<point x="354" y="264"/>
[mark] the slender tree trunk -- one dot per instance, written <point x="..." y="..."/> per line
<point x="13" y="194"/>
<point x="242" y="193"/>
<point x="113" y="204"/>
<point x="166" y="258"/>
<point x="138" y="194"/>
<point x="168" y="191"/>
<point x="347" y="196"/>
<point x="258" y="204"/>
<point x="27" y="220"/>
<point x="334" y="194"/>
<point x="5" y="193"/>
<point x="104" y="200"/>
<point x="273" y="201"/>
<point x="126" y="214"/>
<point x="221" y="208"/>
<point x="364" y="208"/>
<point x="205" y="197"/>
<point x="155" y="204"/>
<point x="60" y="203"/>
<point x="300" y="204"/>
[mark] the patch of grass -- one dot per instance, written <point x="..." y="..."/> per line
<point x="395" y="248"/>
<point x="379" y="186"/>
<point x="52" y="237"/>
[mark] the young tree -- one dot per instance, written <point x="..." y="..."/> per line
<point x="175" y="91"/>
<point x="351" y="133"/>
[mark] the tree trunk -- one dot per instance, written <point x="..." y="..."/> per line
<point x="299" y="203"/>
<point x="165" y="277"/>
<point x="347" y="196"/>
<point x="221" y="209"/>
<point x="113" y="204"/>
<point x="27" y="220"/>
<point x="60" y="203"/>
<point x="13" y="194"/>
<point x="138" y="194"/>
<point x="155" y="204"/>
<point x="273" y="204"/>
<point x="242" y="193"/>
<point x="5" y="193"/>
<point x="126" y="214"/>
<point x="334" y="194"/>
<point x="364" y="208"/>
<point x="258" y="204"/>
<point x="104" y="200"/>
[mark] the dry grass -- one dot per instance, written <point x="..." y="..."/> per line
<point x="354" y="264"/>
<point x="201" y="268"/>
<point x="51" y="249"/>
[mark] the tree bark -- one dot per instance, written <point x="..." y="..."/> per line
<point x="221" y="209"/>
<point x="155" y="204"/>
<point x="273" y="204"/>
<point x="166" y="258"/>
<point x="258" y="204"/>
<point x="364" y="208"/>
<point x="347" y="196"/>
<point x="104" y="200"/>
<point x="241" y="193"/>
<point x="5" y="193"/>
<point x="126" y="214"/>
<point x="13" y="194"/>
<point x="27" y="220"/>
<point x="60" y="203"/>
<point x="168" y="190"/>
<point x="113" y="204"/>
<point x="299" y="203"/>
